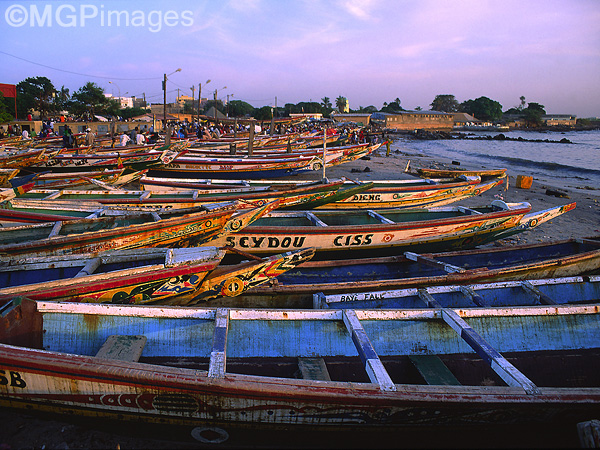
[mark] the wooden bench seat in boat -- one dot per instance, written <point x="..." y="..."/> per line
<point x="122" y="348"/>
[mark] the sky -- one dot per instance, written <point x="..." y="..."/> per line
<point x="273" y="52"/>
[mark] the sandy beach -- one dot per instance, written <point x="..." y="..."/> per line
<point x="22" y="431"/>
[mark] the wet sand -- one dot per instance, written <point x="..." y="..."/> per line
<point x="24" y="431"/>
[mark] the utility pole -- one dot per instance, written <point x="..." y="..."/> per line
<point x="193" y="88"/>
<point x="200" y="96"/>
<point x="199" y="99"/>
<point x="164" y="86"/>
<point x="215" y="106"/>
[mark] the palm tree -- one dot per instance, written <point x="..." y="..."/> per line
<point x="341" y="103"/>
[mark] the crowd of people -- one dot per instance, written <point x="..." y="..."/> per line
<point x="142" y="135"/>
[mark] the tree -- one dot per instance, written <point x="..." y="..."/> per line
<point x="90" y="100"/>
<point x="239" y="108"/>
<point x="482" y="108"/>
<point x="536" y="107"/>
<point x="326" y="106"/>
<point x="521" y="106"/>
<point x="128" y="113"/>
<point x="340" y="103"/>
<point x="35" y="93"/>
<point x="218" y="105"/>
<point x="445" y="103"/>
<point x="263" y="113"/>
<point x="61" y="99"/>
<point x="392" y="107"/>
<point x="5" y="116"/>
<point x="368" y="109"/>
<point x="533" y="114"/>
<point x="514" y="110"/>
<point x="308" y="107"/>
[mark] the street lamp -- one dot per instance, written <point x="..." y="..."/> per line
<point x="112" y="82"/>
<point x="200" y="96"/>
<point x="224" y="87"/>
<point x="164" y="86"/>
<point x="228" y="103"/>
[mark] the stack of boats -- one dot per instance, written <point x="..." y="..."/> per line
<point x="212" y="298"/>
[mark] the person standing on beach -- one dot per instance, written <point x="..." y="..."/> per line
<point x="67" y="138"/>
<point x="89" y="137"/>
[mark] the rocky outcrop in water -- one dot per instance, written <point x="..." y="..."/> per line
<point x="433" y="135"/>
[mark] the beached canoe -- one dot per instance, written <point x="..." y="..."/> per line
<point x="103" y="179"/>
<point x="44" y="205"/>
<point x="134" y="161"/>
<point x="174" y="276"/>
<point x="284" y="151"/>
<point x="295" y="288"/>
<point x="339" y="234"/>
<point x="19" y="159"/>
<point x="547" y="291"/>
<point x="414" y="193"/>
<point x="216" y="373"/>
<point x="167" y="229"/>
<point x="6" y="175"/>
<point x="452" y="173"/>
<point x="8" y="194"/>
<point x="235" y="168"/>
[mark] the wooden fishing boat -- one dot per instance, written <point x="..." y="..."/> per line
<point x="105" y="179"/>
<point x="22" y="158"/>
<point x="179" y="276"/>
<point x="214" y="373"/>
<point x="139" y="160"/>
<point x="411" y="193"/>
<point x="547" y="291"/>
<point x="10" y="193"/>
<point x="415" y="194"/>
<point x="452" y="173"/>
<point x="295" y="288"/>
<point x="235" y="168"/>
<point x="9" y="141"/>
<point x="332" y="153"/>
<point x="6" y="175"/>
<point x="381" y="232"/>
<point x="45" y="205"/>
<point x="151" y="229"/>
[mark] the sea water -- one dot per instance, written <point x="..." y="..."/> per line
<point x="569" y="165"/>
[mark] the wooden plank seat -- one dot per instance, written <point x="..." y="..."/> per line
<point x="314" y="219"/>
<point x="379" y="217"/>
<point x="539" y="295"/>
<point x="433" y="370"/>
<point x="122" y="347"/>
<point x="450" y="268"/>
<point x="56" y="229"/>
<point x="313" y="369"/>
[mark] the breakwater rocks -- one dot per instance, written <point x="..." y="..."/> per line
<point x="433" y="135"/>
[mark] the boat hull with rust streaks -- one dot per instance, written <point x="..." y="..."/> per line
<point x="231" y="369"/>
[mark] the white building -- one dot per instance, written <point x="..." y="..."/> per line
<point x="126" y="102"/>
